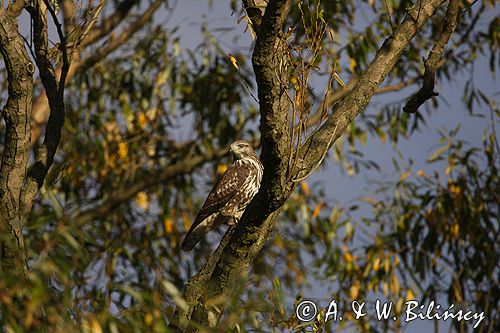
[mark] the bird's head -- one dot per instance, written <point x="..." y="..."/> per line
<point x="241" y="149"/>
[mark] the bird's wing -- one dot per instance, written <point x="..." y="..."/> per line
<point x="225" y="189"/>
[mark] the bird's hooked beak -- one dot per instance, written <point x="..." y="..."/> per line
<point x="232" y="150"/>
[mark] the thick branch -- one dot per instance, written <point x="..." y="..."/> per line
<point x="270" y="67"/>
<point x="55" y="95"/>
<point x="16" y="115"/>
<point x="434" y="59"/>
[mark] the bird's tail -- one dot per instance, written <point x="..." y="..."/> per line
<point x="193" y="236"/>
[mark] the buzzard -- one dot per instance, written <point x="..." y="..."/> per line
<point x="230" y="195"/>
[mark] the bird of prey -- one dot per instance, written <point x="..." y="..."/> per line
<point x="230" y="195"/>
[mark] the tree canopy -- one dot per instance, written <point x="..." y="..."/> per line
<point x="117" y="122"/>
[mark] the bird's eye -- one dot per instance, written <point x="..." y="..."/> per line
<point x="241" y="145"/>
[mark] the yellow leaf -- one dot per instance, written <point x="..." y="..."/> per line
<point x="233" y="60"/>
<point x="168" y="224"/>
<point x="250" y="27"/>
<point x="348" y="257"/>
<point x="148" y="319"/>
<point x="28" y="321"/>
<point x="353" y="64"/>
<point x="339" y="79"/>
<point x="371" y="201"/>
<point x="122" y="150"/>
<point x="141" y="200"/>
<point x="421" y="173"/>
<point x="162" y="77"/>
<point x="354" y="291"/>
<point x="409" y="295"/>
<point x="317" y="209"/>
<point x="394" y="284"/>
<point x="142" y="120"/>
<point x="96" y="327"/>
<point x="152" y="113"/>
<point x="399" y="306"/>
<point x="382" y="136"/>
<point x="455" y="189"/>
<point x="386" y="265"/>
<point x="298" y="99"/>
<point x="305" y="188"/>
<point x="376" y="264"/>
<point x="221" y="168"/>
<point x="280" y="243"/>
<point x="405" y="175"/>
<point x="385" y="288"/>
<point x="455" y="229"/>
<point x="186" y="220"/>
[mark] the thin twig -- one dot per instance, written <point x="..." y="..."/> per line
<point x="91" y="23"/>
<point x="389" y="15"/>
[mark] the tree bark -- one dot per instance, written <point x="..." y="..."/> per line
<point x="16" y="114"/>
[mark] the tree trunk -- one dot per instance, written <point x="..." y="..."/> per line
<point x="16" y="114"/>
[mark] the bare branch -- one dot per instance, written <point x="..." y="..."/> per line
<point x="434" y="59"/>
<point x="110" y="23"/>
<point x="193" y="289"/>
<point x="63" y="46"/>
<point x="55" y="95"/>
<point x="68" y="10"/>
<point x="114" y="43"/>
<point x="90" y="24"/>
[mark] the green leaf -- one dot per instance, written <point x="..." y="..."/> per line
<point x="437" y="154"/>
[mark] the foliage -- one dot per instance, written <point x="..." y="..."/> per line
<point x="144" y="139"/>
